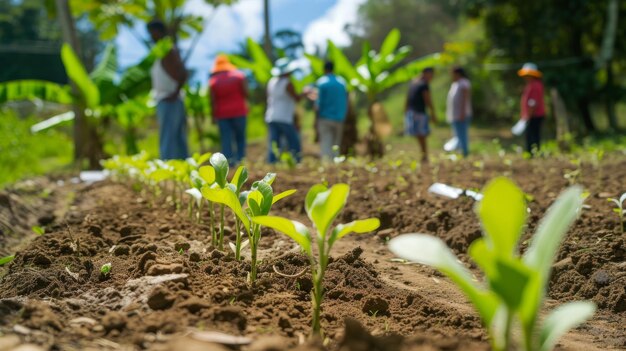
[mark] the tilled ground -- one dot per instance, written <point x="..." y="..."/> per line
<point x="168" y="288"/>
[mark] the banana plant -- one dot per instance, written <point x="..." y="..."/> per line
<point x="514" y="292"/>
<point x="376" y="72"/>
<point x="100" y="92"/>
<point x="322" y="205"/>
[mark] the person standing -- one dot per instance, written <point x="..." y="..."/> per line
<point x="281" y="109"/>
<point x="229" y="91"/>
<point x="459" y="107"/>
<point x="417" y="101"/>
<point x="532" y="105"/>
<point x="168" y="76"/>
<point x="332" y="108"/>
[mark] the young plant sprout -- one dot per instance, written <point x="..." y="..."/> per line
<point x="515" y="285"/>
<point x="259" y="200"/>
<point x="322" y="205"/>
<point x="220" y="164"/>
<point x="105" y="270"/>
<point x="207" y="173"/>
<point x="6" y="259"/>
<point x="619" y="209"/>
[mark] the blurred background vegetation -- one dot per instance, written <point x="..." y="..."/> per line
<point x="580" y="46"/>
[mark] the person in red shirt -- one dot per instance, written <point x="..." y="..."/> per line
<point x="229" y="91"/>
<point x="532" y="105"/>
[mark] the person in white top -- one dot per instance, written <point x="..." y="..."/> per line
<point x="281" y="109"/>
<point x="168" y="77"/>
<point x="459" y="107"/>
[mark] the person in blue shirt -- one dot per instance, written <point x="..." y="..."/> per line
<point x="332" y="108"/>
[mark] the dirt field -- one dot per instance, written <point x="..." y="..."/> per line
<point x="168" y="289"/>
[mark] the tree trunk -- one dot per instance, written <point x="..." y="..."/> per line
<point x="87" y="141"/>
<point x="610" y="102"/>
<point x="267" y="42"/>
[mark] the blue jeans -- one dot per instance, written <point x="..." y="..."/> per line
<point x="276" y="131"/>
<point x="460" y="130"/>
<point x="233" y="133"/>
<point x="172" y="130"/>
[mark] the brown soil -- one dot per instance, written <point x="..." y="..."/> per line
<point x="167" y="287"/>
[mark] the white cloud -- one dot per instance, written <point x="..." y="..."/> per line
<point x="332" y="25"/>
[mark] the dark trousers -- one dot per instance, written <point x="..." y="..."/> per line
<point x="533" y="134"/>
<point x="278" y="131"/>
<point x="233" y="133"/>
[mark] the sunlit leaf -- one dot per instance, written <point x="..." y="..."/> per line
<point x="293" y="229"/>
<point x="562" y="319"/>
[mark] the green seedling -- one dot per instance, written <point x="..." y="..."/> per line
<point x="39" y="230"/>
<point x="105" y="270"/>
<point x="6" y="259"/>
<point x="322" y="205"/>
<point x="207" y="176"/>
<point x="515" y="286"/>
<point x="259" y="201"/>
<point x="220" y="164"/>
<point x="619" y="209"/>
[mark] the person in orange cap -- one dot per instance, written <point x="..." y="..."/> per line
<point x="532" y="105"/>
<point x="229" y="92"/>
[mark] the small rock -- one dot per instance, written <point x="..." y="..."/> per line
<point x="164" y="228"/>
<point x="160" y="299"/>
<point x="269" y="343"/>
<point x="195" y="257"/>
<point x="9" y="342"/>
<point x="601" y="278"/>
<point x="121" y="250"/>
<point x="162" y="269"/>
<point x="28" y="347"/>
<point x="20" y="329"/>
<point x="95" y="230"/>
<point x="84" y="321"/>
<point x="217" y="254"/>
<point x="195" y="304"/>
<point x="126" y="231"/>
<point x="114" y="321"/>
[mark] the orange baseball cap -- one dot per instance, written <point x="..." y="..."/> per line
<point x="222" y="63"/>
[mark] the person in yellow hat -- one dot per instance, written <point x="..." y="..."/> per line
<point x="229" y="91"/>
<point x="532" y="105"/>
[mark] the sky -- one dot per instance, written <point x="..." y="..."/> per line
<point x="317" y="20"/>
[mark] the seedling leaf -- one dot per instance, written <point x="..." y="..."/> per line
<point x="240" y="177"/>
<point x="562" y="319"/>
<point x="311" y="194"/>
<point x="220" y="163"/>
<point x="544" y="244"/>
<point x="326" y="206"/>
<point x="293" y="229"/>
<point x="38" y="230"/>
<point x="503" y="213"/>
<point x="283" y="195"/>
<point x="6" y="259"/>
<point x="429" y="250"/>
<point x="207" y="173"/>
<point x="228" y="198"/>
<point x="358" y="226"/>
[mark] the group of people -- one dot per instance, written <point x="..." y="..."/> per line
<point x="229" y="92"/>
<point x="419" y="108"/>
<point x="228" y="95"/>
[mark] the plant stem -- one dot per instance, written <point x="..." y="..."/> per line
<point x="256" y="232"/>
<point x="237" y="240"/>
<point x="190" y="209"/>
<point x="212" y="224"/>
<point x="221" y="242"/>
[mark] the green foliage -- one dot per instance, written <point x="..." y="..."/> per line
<point x="105" y="270"/>
<point x="34" y="90"/>
<point x="38" y="230"/>
<point x="322" y="206"/>
<point x="23" y="154"/>
<point x="259" y="63"/>
<point x="77" y="73"/>
<point x="516" y="285"/>
<point x="619" y="209"/>
<point x="6" y="259"/>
